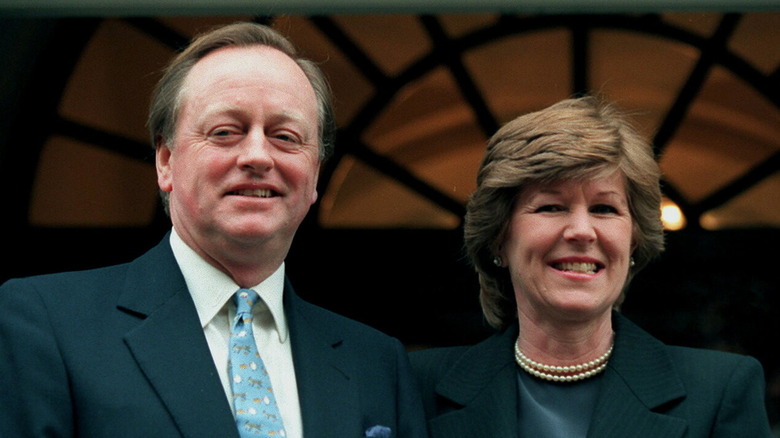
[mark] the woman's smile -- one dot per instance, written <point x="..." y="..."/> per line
<point x="568" y="245"/>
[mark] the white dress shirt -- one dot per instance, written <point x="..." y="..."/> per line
<point x="211" y="290"/>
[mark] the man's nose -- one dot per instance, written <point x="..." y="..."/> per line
<point x="256" y="152"/>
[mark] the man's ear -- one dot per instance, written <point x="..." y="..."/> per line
<point x="315" y="194"/>
<point x="163" y="165"/>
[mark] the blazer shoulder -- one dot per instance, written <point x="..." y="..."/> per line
<point x="432" y="362"/>
<point x="730" y="388"/>
<point x="65" y="285"/>
<point x="461" y="372"/>
<point x="332" y="326"/>
<point x="78" y="288"/>
<point x="487" y="357"/>
<point x="692" y="363"/>
<point x="431" y="367"/>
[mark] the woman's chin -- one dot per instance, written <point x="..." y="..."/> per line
<point x="582" y="310"/>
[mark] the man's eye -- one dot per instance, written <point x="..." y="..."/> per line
<point x="286" y="140"/>
<point x="222" y="132"/>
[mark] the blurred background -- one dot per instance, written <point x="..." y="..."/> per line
<point x="418" y="90"/>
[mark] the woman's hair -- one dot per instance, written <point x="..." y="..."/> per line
<point x="575" y="139"/>
<point x="167" y="96"/>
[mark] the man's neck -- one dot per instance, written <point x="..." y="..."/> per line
<point x="247" y="264"/>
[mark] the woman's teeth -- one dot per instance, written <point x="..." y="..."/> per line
<point x="587" y="268"/>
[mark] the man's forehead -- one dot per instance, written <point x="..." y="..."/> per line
<point x="249" y="67"/>
<point x="236" y="59"/>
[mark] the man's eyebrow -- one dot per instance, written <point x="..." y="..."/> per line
<point x="222" y="108"/>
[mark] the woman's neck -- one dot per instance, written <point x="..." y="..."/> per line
<point x="564" y="343"/>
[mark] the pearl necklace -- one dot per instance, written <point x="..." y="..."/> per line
<point x="571" y="373"/>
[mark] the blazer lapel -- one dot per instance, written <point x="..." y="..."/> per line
<point x="326" y="393"/>
<point x="487" y="393"/>
<point x="169" y="346"/>
<point x="639" y="378"/>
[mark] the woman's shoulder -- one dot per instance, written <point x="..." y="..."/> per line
<point x="698" y="361"/>
<point x="490" y="354"/>
<point x="692" y="364"/>
<point x="436" y="360"/>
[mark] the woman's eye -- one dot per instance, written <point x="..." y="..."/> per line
<point x="604" y="209"/>
<point x="549" y="208"/>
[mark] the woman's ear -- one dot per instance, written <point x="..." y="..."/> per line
<point x="634" y="238"/>
<point x="498" y="256"/>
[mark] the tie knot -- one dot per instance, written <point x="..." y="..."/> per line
<point x="245" y="299"/>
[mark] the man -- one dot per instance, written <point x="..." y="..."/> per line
<point x="146" y="349"/>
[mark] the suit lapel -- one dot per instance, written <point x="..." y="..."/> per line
<point x="487" y="393"/>
<point x="169" y="346"/>
<point x="640" y="377"/>
<point x="328" y="397"/>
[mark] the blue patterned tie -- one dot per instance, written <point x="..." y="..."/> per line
<point x="253" y="398"/>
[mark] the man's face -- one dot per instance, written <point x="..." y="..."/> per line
<point x="243" y="166"/>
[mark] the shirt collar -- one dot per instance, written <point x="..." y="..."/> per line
<point x="211" y="288"/>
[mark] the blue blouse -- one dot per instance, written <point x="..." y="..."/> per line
<point x="555" y="410"/>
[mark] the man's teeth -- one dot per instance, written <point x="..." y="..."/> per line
<point x="260" y="193"/>
<point x="588" y="268"/>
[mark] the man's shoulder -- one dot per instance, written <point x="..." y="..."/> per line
<point x="68" y="285"/>
<point x="332" y="320"/>
<point x="63" y="295"/>
<point x="75" y="279"/>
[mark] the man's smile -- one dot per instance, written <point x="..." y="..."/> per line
<point x="257" y="193"/>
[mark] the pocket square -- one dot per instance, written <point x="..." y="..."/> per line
<point x="378" y="432"/>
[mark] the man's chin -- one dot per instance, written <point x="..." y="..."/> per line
<point x="255" y="231"/>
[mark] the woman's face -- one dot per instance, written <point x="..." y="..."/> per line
<point x="567" y="248"/>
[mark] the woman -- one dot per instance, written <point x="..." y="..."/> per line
<point x="565" y="213"/>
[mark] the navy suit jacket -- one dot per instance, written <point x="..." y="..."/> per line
<point x="119" y="352"/>
<point x="649" y="390"/>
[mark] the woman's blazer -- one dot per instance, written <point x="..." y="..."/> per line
<point x="649" y="390"/>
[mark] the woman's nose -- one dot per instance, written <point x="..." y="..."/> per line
<point x="580" y="227"/>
